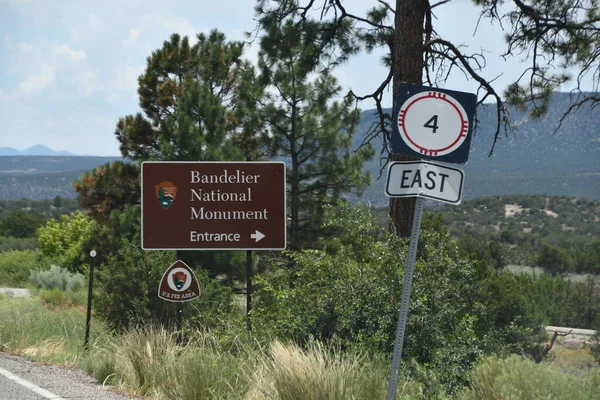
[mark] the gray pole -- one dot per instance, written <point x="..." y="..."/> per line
<point x="408" y="277"/>
<point x="248" y="288"/>
<point x="88" y="319"/>
<point x="179" y="323"/>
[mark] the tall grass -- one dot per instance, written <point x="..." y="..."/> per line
<point x="147" y="361"/>
<point x="515" y="378"/>
<point x="292" y="373"/>
<point x="28" y="327"/>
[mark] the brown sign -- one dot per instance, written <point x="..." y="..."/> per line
<point x="179" y="283"/>
<point x="213" y="205"/>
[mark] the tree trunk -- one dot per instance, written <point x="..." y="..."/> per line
<point x="407" y="66"/>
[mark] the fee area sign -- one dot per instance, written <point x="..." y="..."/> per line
<point x="432" y="123"/>
<point x="200" y="205"/>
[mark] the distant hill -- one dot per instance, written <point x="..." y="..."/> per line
<point x="530" y="160"/>
<point x="43" y="177"/>
<point x="37" y="150"/>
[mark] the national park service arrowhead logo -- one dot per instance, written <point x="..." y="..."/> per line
<point x="165" y="193"/>
<point x="178" y="283"/>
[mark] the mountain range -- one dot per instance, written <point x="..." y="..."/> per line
<point x="533" y="158"/>
<point x="36" y="150"/>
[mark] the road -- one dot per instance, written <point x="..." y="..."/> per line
<point x="25" y="380"/>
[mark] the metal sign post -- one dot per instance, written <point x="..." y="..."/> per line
<point x="88" y="320"/>
<point x="434" y="124"/>
<point x="408" y="277"/>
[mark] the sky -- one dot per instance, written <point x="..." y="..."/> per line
<point x="69" y="68"/>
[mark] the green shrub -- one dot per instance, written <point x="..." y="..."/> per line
<point x="65" y="238"/>
<point x="350" y="294"/>
<point x="515" y="378"/>
<point x="10" y="243"/>
<point x="128" y="286"/>
<point x="15" y="267"/>
<point x="57" y="297"/>
<point x="56" y="278"/>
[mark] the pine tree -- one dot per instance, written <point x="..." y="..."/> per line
<point x="199" y="103"/>
<point x="556" y="36"/>
<point x="312" y="129"/>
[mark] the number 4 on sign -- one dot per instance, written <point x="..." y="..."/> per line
<point x="432" y="123"/>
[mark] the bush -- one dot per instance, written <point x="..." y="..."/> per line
<point x="127" y="293"/>
<point x="350" y="294"/>
<point x="10" y="243"/>
<point x="15" y="267"/>
<point x="56" y="278"/>
<point x="60" y="298"/>
<point x="66" y="238"/>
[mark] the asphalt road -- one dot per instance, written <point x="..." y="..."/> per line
<point x="25" y="380"/>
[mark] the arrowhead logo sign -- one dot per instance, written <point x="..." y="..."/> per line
<point x="178" y="283"/>
<point x="165" y="194"/>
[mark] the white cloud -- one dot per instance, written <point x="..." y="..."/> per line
<point x="65" y="51"/>
<point x="131" y="37"/>
<point x="90" y="83"/>
<point x="95" y="23"/>
<point x="4" y="97"/>
<point x="126" y="77"/>
<point x="24" y="48"/>
<point x="74" y="35"/>
<point x="40" y="81"/>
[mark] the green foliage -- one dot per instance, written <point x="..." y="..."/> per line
<point x="321" y="373"/>
<point x="108" y="187"/>
<point x="65" y="239"/>
<point x="128" y="283"/>
<point x="556" y="233"/>
<point x="59" y="298"/>
<point x="146" y="361"/>
<point x="8" y="243"/>
<point x="56" y="278"/>
<point x="16" y="265"/>
<point x="39" y="208"/>
<point x="310" y="129"/>
<point x="30" y="328"/>
<point x="489" y="252"/>
<point x="350" y="292"/>
<point x="595" y="346"/>
<point x="555" y="260"/>
<point x="515" y="378"/>
<point x="20" y="224"/>
<point x="199" y="103"/>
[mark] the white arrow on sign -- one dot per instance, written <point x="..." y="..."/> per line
<point x="258" y="236"/>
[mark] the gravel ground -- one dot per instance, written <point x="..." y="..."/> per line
<point x="38" y="382"/>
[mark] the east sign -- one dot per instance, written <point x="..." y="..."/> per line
<point x="425" y="179"/>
